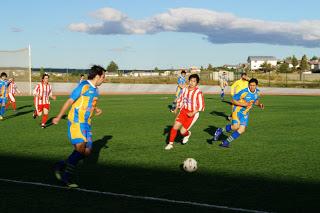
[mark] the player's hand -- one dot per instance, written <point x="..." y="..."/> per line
<point x="55" y="120"/>
<point x="175" y="111"/>
<point x="98" y="112"/>
<point x="190" y="114"/>
<point x="261" y="106"/>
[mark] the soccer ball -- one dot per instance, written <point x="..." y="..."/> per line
<point x="190" y="165"/>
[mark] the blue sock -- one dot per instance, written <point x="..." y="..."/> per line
<point x="233" y="136"/>
<point x="222" y="93"/>
<point x="228" y="128"/>
<point x="2" y="110"/>
<point x="74" y="158"/>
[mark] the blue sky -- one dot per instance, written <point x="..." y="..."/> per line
<point x="143" y="34"/>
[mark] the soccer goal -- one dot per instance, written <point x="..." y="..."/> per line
<point x="17" y="65"/>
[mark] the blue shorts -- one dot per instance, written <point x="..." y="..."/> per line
<point x="240" y="118"/>
<point x="79" y="133"/>
<point x="3" y="101"/>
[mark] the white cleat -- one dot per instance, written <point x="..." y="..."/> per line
<point x="169" y="146"/>
<point x="186" y="138"/>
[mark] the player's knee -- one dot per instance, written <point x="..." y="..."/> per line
<point x="242" y="129"/>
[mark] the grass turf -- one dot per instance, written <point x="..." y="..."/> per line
<point x="274" y="166"/>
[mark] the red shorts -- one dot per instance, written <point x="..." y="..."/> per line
<point x="43" y="106"/>
<point x="185" y="120"/>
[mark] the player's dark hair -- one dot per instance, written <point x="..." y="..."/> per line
<point x="242" y="74"/>
<point x="3" y="74"/>
<point x="183" y="71"/>
<point x="82" y="75"/>
<point x="253" y="80"/>
<point x="94" y="71"/>
<point x="196" y="76"/>
<point x="44" y="75"/>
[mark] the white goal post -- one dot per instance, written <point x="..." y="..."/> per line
<point x="17" y="65"/>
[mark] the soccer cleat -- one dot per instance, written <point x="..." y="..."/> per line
<point x="72" y="185"/>
<point x="34" y="115"/>
<point x="217" y="134"/>
<point x="169" y="146"/>
<point x="66" y="178"/>
<point x="58" y="169"/>
<point x="186" y="138"/>
<point x="43" y="126"/>
<point x="1" y="118"/>
<point x="224" y="144"/>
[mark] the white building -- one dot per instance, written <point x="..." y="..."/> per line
<point x="255" y="62"/>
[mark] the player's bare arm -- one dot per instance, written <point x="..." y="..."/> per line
<point x="63" y="110"/>
<point x="98" y="111"/>
<point x="259" y="104"/>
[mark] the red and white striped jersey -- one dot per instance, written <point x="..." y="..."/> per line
<point x="12" y="88"/>
<point x="191" y="100"/>
<point x="41" y="93"/>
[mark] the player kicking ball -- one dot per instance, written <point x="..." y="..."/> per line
<point x="243" y="103"/>
<point x="190" y="103"/>
<point x="83" y="103"/>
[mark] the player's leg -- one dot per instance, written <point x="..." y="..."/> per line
<point x="1" y="100"/>
<point x="46" y="108"/>
<point x="235" y="124"/>
<point x="222" y="90"/>
<point x="3" y="107"/>
<point x="13" y="101"/>
<point x="186" y="126"/>
<point x="173" y="134"/>
<point x="174" y="103"/>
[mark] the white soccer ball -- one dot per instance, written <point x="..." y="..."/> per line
<point x="190" y="165"/>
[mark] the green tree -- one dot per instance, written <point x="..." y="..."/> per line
<point x="266" y="67"/>
<point x="303" y="65"/>
<point x="113" y="67"/>
<point x="42" y="71"/>
<point x="294" y="62"/>
<point x="210" y="67"/>
<point x="156" y="69"/>
<point x="314" y="58"/>
<point x="283" y="68"/>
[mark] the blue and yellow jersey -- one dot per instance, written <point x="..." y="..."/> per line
<point x="243" y="96"/>
<point x="3" y="88"/>
<point x="237" y="86"/>
<point x="181" y="80"/>
<point x="85" y="97"/>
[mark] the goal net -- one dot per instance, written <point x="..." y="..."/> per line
<point x="17" y="65"/>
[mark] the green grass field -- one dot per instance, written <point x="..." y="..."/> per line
<point x="274" y="166"/>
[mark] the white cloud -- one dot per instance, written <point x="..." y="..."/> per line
<point x="218" y="27"/>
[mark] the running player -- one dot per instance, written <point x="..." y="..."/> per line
<point x="243" y="102"/>
<point x="190" y="103"/>
<point x="3" y="93"/>
<point x="181" y="84"/>
<point x="42" y="92"/>
<point x="83" y="102"/>
<point x="12" y="89"/>
<point x="223" y="82"/>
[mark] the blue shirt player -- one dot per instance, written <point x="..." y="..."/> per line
<point x="243" y="102"/>
<point x="181" y="84"/>
<point x="83" y="103"/>
<point x="3" y="93"/>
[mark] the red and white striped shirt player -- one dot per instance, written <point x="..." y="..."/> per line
<point x="42" y="94"/>
<point x="190" y="103"/>
<point x="12" y="89"/>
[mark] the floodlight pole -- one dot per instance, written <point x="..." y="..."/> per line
<point x="30" y="72"/>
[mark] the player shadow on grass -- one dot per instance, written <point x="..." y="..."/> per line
<point x="211" y="130"/>
<point x="96" y="149"/>
<point x="228" y="102"/>
<point x="25" y="106"/>
<point x="18" y="114"/>
<point x="166" y="131"/>
<point x="221" y="114"/>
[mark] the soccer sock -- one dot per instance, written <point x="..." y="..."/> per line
<point x="71" y="163"/>
<point x="227" y="128"/>
<point x="44" y="118"/>
<point x="185" y="134"/>
<point x="222" y="92"/>
<point x="7" y="105"/>
<point x="3" y="109"/>
<point x="14" y="105"/>
<point x="173" y="134"/>
<point x="233" y="136"/>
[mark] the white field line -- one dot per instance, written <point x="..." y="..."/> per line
<point x="190" y="203"/>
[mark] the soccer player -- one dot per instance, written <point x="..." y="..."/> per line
<point x="42" y="92"/>
<point x="243" y="102"/>
<point x="223" y="82"/>
<point x="12" y="89"/>
<point x="237" y="86"/>
<point x="181" y="84"/>
<point x="83" y="102"/>
<point x="3" y="93"/>
<point x="190" y="103"/>
<point x="81" y="78"/>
